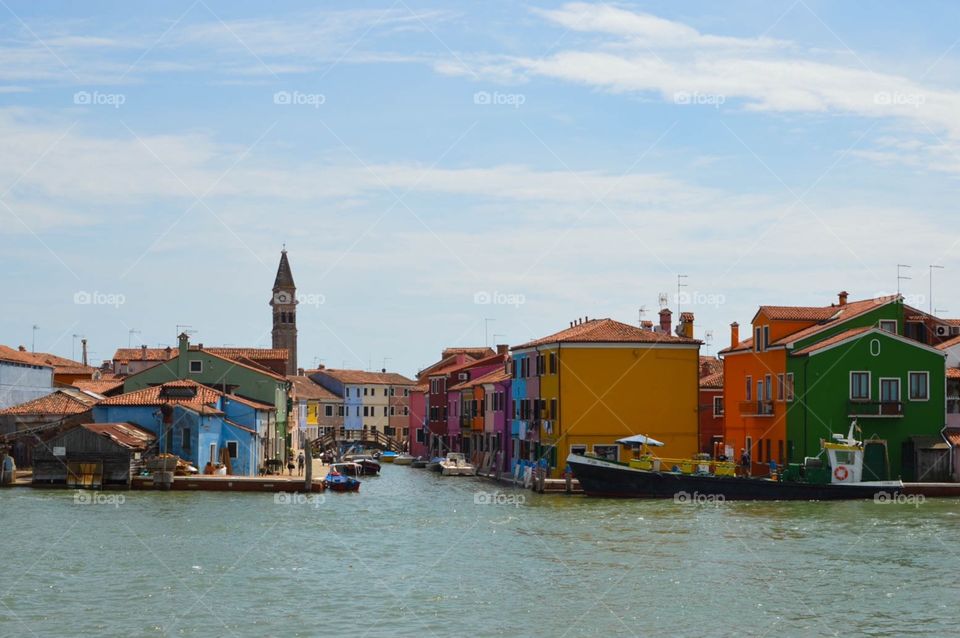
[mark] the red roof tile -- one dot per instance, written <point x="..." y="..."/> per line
<point x="953" y="373"/>
<point x="100" y="386"/>
<point x="798" y="313"/>
<point x="60" y="365"/>
<point x="949" y="343"/>
<point x="309" y="390"/>
<point x="203" y="396"/>
<point x="65" y="401"/>
<point x="604" y="331"/>
<point x="494" y="376"/>
<point x="127" y="435"/>
<point x="364" y="377"/>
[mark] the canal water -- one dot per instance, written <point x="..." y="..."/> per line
<point x="416" y="554"/>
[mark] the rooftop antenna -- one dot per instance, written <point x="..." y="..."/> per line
<point x="73" y="347"/>
<point x="130" y="333"/>
<point x="932" y="266"/>
<point x="33" y="338"/>
<point x="708" y="339"/>
<point x="497" y="334"/>
<point x="900" y="277"/>
<point x="663" y="300"/>
<point x="186" y="329"/>
<point x="385" y="359"/>
<point x="643" y="311"/>
<point x="680" y="285"/>
<point x="486" y="326"/>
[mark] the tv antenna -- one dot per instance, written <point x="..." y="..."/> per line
<point x="901" y="277"/>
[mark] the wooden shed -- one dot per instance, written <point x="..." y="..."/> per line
<point x="92" y="455"/>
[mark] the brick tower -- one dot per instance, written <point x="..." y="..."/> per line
<point x="284" y="305"/>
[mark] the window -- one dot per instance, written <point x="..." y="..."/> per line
<point x="364" y="392"/>
<point x="749" y="447"/>
<point x="339" y="410"/>
<point x="780" y="388"/>
<point x="718" y="406"/>
<point x="232" y="449"/>
<point x="406" y="392"/>
<point x="185" y="439"/>
<point x="393" y="411"/>
<point x="553" y="409"/>
<point x="766" y="337"/>
<point x="767" y="388"/>
<point x="919" y="386"/>
<point x="384" y="410"/>
<point x="749" y="388"/>
<point x="757" y="339"/>
<point x="384" y="392"/>
<point x="860" y="386"/>
<point x="788" y="391"/>
<point x="553" y="365"/>
<point x="358" y="411"/>
<point x="888" y="325"/>
<point x="890" y="390"/>
<point x="196" y="366"/>
<point x="578" y="449"/>
<point x="608" y="452"/>
<point x="406" y="411"/>
<point x="328" y="410"/>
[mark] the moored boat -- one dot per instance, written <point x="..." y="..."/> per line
<point x="456" y="465"/>
<point x="642" y="477"/>
<point x="388" y="456"/>
<point x="403" y="459"/>
<point x="419" y="462"/>
<point x="338" y="482"/>
<point x="434" y="464"/>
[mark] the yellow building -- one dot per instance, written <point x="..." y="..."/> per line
<point x="602" y="380"/>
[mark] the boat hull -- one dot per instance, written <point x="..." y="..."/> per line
<point x="604" y="478"/>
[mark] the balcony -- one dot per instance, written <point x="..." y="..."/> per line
<point x="756" y="408"/>
<point x="883" y="409"/>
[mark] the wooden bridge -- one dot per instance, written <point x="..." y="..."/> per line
<point x="366" y="438"/>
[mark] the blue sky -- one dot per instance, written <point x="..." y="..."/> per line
<point x="431" y="165"/>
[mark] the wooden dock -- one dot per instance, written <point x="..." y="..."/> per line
<point x="201" y="483"/>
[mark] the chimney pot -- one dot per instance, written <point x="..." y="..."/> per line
<point x="384" y="370"/>
<point x="843" y="297"/>
<point x="21" y="349"/>
<point x="665" y="320"/>
<point x="300" y="372"/>
<point x="503" y="348"/>
<point x="734" y="334"/>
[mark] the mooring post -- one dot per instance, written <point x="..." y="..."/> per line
<point x="308" y="475"/>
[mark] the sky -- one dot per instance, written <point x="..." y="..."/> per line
<point x="459" y="174"/>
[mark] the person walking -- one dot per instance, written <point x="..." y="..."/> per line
<point x="744" y="463"/>
<point x="300" y="464"/>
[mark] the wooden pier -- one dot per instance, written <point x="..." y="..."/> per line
<point x="201" y="483"/>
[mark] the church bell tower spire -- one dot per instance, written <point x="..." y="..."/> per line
<point x="284" y="306"/>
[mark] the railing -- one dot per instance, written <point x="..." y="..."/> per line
<point x="756" y="408"/>
<point x="331" y="441"/>
<point x="875" y="408"/>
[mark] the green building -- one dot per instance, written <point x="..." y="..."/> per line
<point x="893" y="386"/>
<point x="226" y="375"/>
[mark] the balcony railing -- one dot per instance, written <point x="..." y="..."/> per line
<point x="756" y="408"/>
<point x="875" y="408"/>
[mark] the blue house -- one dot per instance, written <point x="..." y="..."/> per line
<point x="195" y="422"/>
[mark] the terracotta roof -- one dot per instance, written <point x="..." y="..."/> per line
<point x="362" y="376"/>
<point x="494" y="376"/>
<point x="711" y="381"/>
<point x="606" y="330"/>
<point x="949" y="343"/>
<point x="420" y="387"/>
<point x="798" y="313"/>
<point x="65" y="401"/>
<point x="953" y="435"/>
<point x="202" y="398"/>
<point x="60" y="365"/>
<point x="844" y="313"/>
<point x="711" y="372"/>
<point x="746" y="344"/>
<point x="477" y="352"/>
<point x="835" y="339"/>
<point x="126" y="355"/>
<point x="306" y="388"/>
<point x="953" y="373"/>
<point x="100" y="386"/>
<point x="126" y="435"/>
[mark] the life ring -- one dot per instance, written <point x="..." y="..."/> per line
<point x="841" y="473"/>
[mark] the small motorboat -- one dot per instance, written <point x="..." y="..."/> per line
<point x="388" y="456"/>
<point x="419" y="463"/>
<point x="338" y="482"/>
<point x="456" y="465"/>
<point x="403" y="459"/>
<point x="370" y="465"/>
<point x="434" y="464"/>
<point x="348" y="468"/>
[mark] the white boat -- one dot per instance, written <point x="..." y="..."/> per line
<point x="403" y="459"/>
<point x="456" y="465"/>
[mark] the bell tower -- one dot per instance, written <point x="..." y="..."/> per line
<point x="284" y="306"/>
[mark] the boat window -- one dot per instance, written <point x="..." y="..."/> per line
<point x="609" y="452"/>
<point x="578" y="449"/>
<point x="845" y="457"/>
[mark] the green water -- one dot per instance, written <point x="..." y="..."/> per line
<point x="415" y="554"/>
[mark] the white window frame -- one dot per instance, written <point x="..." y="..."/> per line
<point x="328" y="410"/>
<point x="883" y="322"/>
<point x="718" y="400"/>
<point x="924" y="373"/>
<point x="199" y="363"/>
<point x="578" y="448"/>
<point x="869" y="396"/>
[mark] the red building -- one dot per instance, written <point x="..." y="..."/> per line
<point x="711" y="406"/>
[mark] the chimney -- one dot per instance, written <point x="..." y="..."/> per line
<point x="646" y="324"/>
<point x="383" y="370"/>
<point x="704" y="367"/>
<point x="21" y="349"/>
<point x="503" y="348"/>
<point x="299" y="372"/>
<point x="843" y="297"/>
<point x="734" y="334"/>
<point x="143" y="352"/>
<point x="686" y="325"/>
<point x="665" y="320"/>
<point x="83" y="349"/>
